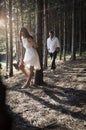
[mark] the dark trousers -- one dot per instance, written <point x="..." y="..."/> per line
<point x="53" y="58"/>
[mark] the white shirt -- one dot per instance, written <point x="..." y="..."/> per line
<point x="52" y="44"/>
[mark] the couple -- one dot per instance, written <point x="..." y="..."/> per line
<point x="30" y="56"/>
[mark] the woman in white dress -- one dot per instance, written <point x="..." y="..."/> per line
<point x="30" y="56"/>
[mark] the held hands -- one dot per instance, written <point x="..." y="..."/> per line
<point x="35" y="46"/>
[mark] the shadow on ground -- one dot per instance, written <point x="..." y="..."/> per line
<point x="73" y="97"/>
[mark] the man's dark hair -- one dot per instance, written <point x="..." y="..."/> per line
<point x="51" y="32"/>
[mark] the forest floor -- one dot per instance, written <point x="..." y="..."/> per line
<point x="59" y="104"/>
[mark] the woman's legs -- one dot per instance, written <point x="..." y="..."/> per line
<point x="22" y="67"/>
<point x="29" y="77"/>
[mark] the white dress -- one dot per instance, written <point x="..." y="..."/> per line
<point x="31" y="57"/>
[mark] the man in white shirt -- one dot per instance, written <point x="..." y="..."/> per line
<point x="53" y="47"/>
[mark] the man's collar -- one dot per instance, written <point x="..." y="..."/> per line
<point x="52" y="38"/>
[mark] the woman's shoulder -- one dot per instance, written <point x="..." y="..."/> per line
<point x="25" y="40"/>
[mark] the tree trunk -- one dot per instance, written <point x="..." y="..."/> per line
<point x="80" y="50"/>
<point x="64" y="39"/>
<point x="60" y="56"/>
<point x="73" y="54"/>
<point x="38" y="24"/>
<point x="80" y="44"/>
<point x="6" y="37"/>
<point x="11" y="44"/>
<point x="21" y="9"/>
<point x="17" y="39"/>
<point x="45" y="35"/>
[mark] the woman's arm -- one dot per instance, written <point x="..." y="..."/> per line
<point x="23" y="52"/>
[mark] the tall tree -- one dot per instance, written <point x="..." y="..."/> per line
<point x="45" y="34"/>
<point x="64" y="44"/>
<point x="73" y="52"/>
<point x="6" y="35"/>
<point x="60" y="31"/>
<point x="80" y="36"/>
<point x="38" y="24"/>
<point x="21" y="9"/>
<point x="11" y="44"/>
<point x="17" y="39"/>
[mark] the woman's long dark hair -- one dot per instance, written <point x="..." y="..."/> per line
<point x="26" y="33"/>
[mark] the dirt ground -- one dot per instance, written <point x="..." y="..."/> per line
<point x="58" y="104"/>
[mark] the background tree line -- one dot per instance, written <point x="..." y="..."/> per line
<point x="66" y="17"/>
